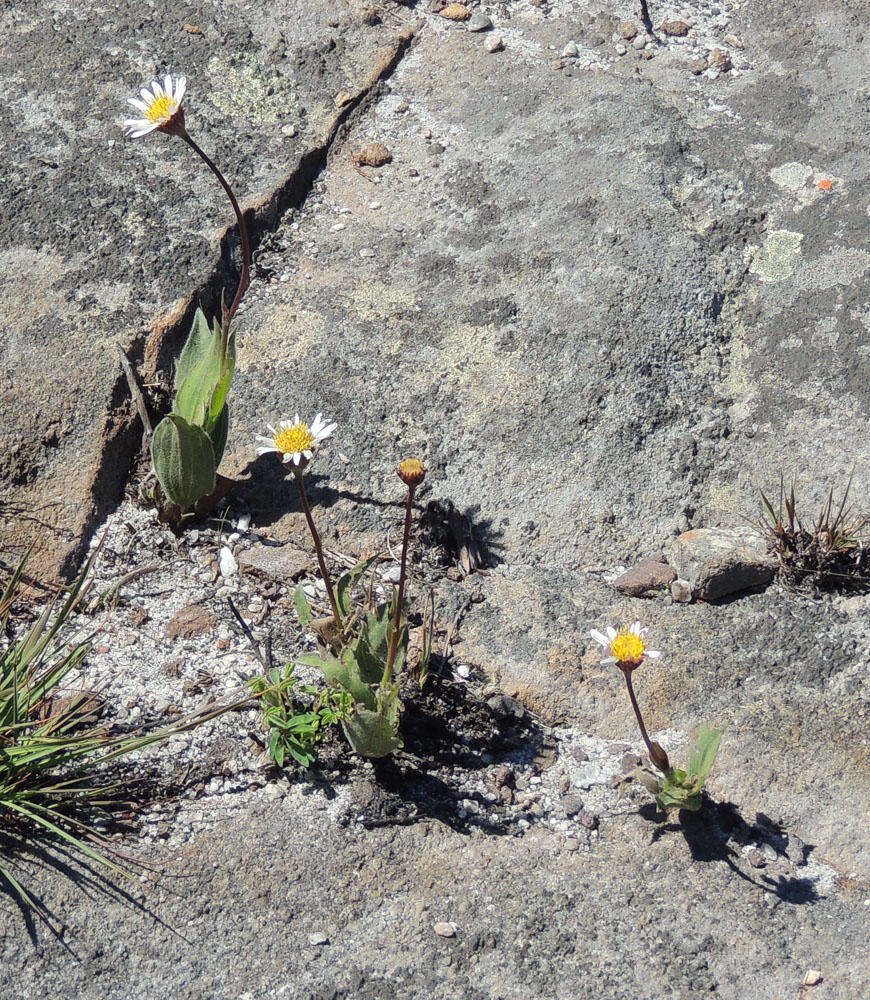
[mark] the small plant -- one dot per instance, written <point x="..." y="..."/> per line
<point x="677" y="788"/>
<point x="189" y="442"/>
<point x="293" y="729"/>
<point x="830" y="550"/>
<point x="363" y="646"/>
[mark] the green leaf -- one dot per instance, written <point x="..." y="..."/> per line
<point x="348" y="580"/>
<point x="303" y="608"/>
<point x="197" y="346"/>
<point x="370" y="733"/>
<point x="701" y="759"/>
<point x="218" y="434"/>
<point x="183" y="459"/>
<point x="345" y="674"/>
<point x="205" y="374"/>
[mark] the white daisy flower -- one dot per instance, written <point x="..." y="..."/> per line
<point x="160" y="106"/>
<point x="627" y="646"/>
<point x="294" y="440"/>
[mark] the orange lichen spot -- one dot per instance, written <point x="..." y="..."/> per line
<point x="826" y="184"/>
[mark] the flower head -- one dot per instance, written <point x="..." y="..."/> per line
<point x="160" y="106"/>
<point x="294" y="440"/>
<point x="412" y="472"/>
<point x="627" y="646"/>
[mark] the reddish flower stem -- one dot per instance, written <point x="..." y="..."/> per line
<point x="400" y="596"/>
<point x="324" y="572"/>
<point x="245" y="277"/>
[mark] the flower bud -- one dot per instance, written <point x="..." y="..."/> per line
<point x="412" y="472"/>
<point x="658" y="756"/>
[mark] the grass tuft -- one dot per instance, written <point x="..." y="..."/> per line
<point x="830" y="551"/>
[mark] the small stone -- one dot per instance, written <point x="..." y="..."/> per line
<point x="796" y="850"/>
<point x="721" y="60"/>
<point x="681" y="591"/>
<point x="676" y="29"/>
<point x="243" y="523"/>
<point x="570" y="51"/>
<point x="639" y="42"/>
<point x="615" y="748"/>
<point x="289" y="131"/>
<point x="572" y="804"/>
<point x="455" y="12"/>
<point x="227" y="562"/>
<point x="572" y="844"/>
<point x="588" y="819"/>
<point x="647" y="575"/>
<point x="190" y="622"/>
<point x="504" y="776"/>
<point x="733" y="41"/>
<point x="494" y="43"/>
<point x="444" y="929"/>
<point x="579" y="755"/>
<point x="717" y="562"/>
<point x="628" y="30"/>
<point x="629" y="762"/>
<point x="479" y="22"/>
<point x="373" y="154"/>
<point x="697" y="66"/>
<point x="274" y="791"/>
<point x="620" y="49"/>
<point x="812" y="977"/>
<point x="280" y="562"/>
<point x="756" y="858"/>
<point x="317" y="938"/>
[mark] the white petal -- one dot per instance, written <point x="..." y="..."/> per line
<point x="266" y="451"/>
<point x="180" y="88"/>
<point x="327" y="431"/>
<point x="611" y="632"/>
<point x="599" y="637"/>
<point x="609" y="659"/>
<point x="296" y="421"/>
<point x="637" y="629"/>
<point x="137" y="104"/>
<point x="308" y="453"/>
<point x="146" y="96"/>
<point x="268" y="441"/>
<point x="316" y="423"/>
<point x="167" y="85"/>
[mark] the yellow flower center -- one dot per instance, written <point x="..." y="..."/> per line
<point x="161" y="109"/>
<point x="627" y="647"/>
<point x="295" y="438"/>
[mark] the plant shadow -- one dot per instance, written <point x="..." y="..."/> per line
<point x="715" y="832"/>
<point x="30" y="858"/>
<point x="453" y="537"/>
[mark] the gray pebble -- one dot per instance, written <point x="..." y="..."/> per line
<point x="479" y="22"/>
<point x="494" y="43"/>
<point x="317" y="938"/>
<point x="570" y="51"/>
<point x="572" y="804"/>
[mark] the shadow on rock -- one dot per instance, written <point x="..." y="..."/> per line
<point x="25" y="859"/>
<point x="717" y="831"/>
<point x="454" y="741"/>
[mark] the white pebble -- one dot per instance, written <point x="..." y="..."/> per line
<point x="227" y="562"/>
<point x="337" y="228"/>
<point x="444" y="929"/>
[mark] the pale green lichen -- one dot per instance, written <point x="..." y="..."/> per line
<point x="778" y="258"/>
<point x="242" y="92"/>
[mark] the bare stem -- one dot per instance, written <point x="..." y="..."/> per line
<point x="656" y="753"/>
<point x="324" y="572"/>
<point x="400" y="596"/>
<point x="243" y="231"/>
